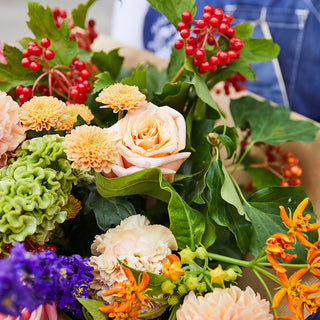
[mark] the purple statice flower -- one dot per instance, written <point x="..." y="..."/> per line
<point x="75" y="284"/>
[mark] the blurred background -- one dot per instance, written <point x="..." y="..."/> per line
<point x="13" y="16"/>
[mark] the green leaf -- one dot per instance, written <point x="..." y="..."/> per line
<point x="244" y="30"/>
<point x="110" y="62"/>
<point x="103" y="81"/>
<point x="269" y="124"/>
<point x="92" y="306"/>
<point x="176" y="62"/>
<point x="263" y="210"/>
<point x="155" y="81"/>
<point x="172" y="9"/>
<point x="187" y="224"/>
<point x="65" y="48"/>
<point x="109" y="211"/>
<point x="79" y="13"/>
<point x="12" y="73"/>
<point x="224" y="206"/>
<point x="230" y="139"/>
<point x="138" y="78"/>
<point x="262" y="178"/>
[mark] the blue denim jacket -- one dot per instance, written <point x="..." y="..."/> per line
<point x="293" y="24"/>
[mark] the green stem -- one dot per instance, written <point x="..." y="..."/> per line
<point x="267" y="274"/>
<point x="243" y="156"/>
<point x="222" y="258"/>
<point x="120" y="114"/>
<point x="178" y="74"/>
<point x="293" y="265"/>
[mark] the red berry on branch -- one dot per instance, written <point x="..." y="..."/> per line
<point x="231" y="32"/>
<point x="35" y="66"/>
<point x="206" y="16"/>
<point x="229" y="17"/>
<point x="18" y="89"/>
<point x="25" y="62"/>
<point x="45" y="42"/>
<point x="186" y="16"/>
<point x="223" y="28"/>
<point x="218" y="12"/>
<point x="185" y="33"/>
<point x="204" y="66"/>
<point x="27" y="92"/>
<point x="74" y="93"/>
<point x="49" y="54"/>
<point x="190" y="50"/>
<point x="200" y="24"/>
<point x="25" y="53"/>
<point x="181" y="25"/>
<point x="80" y="65"/>
<point x="36" y="50"/>
<point x="179" y="44"/>
<point x="200" y="54"/>
<point x="85" y="74"/>
<point x="209" y="8"/>
<point x="284" y="184"/>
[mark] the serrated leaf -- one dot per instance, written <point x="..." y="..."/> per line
<point x="269" y="124"/>
<point x="103" y="81"/>
<point x="79" y="13"/>
<point x="262" y="178"/>
<point x="172" y="9"/>
<point x="243" y="30"/>
<point x="109" y="211"/>
<point x="92" y="306"/>
<point x="263" y="210"/>
<point x="138" y="78"/>
<point x="110" y="62"/>
<point x="186" y="223"/>
<point x="12" y="73"/>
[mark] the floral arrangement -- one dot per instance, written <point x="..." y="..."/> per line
<point x="118" y="194"/>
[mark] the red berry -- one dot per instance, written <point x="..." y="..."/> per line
<point x="229" y="17"/>
<point x="208" y="8"/>
<point x="85" y="74"/>
<point x="232" y="54"/>
<point x="23" y="98"/>
<point x="287" y="173"/>
<point x="200" y="54"/>
<point x="86" y="83"/>
<point x="82" y="88"/>
<point x="56" y="12"/>
<point x="181" y="25"/>
<point x="35" y="66"/>
<point x="80" y="65"/>
<point x="36" y="50"/>
<point x="27" y="92"/>
<point x="185" y="33"/>
<point x="186" y="16"/>
<point x="25" y="62"/>
<point x="206" y="16"/>
<point x="196" y="62"/>
<point x="213" y="67"/>
<point x="179" y="44"/>
<point x="223" y="27"/>
<point x="211" y="40"/>
<point x="68" y="102"/>
<point x="25" y="53"/>
<point x="214" y="60"/>
<point x="32" y="44"/>
<point x="204" y="67"/>
<point x="200" y="24"/>
<point x="74" y="93"/>
<point x="49" y="54"/>
<point x="236" y="44"/>
<point x="18" y="89"/>
<point x="295" y="182"/>
<point x="223" y="57"/>
<point x="63" y="14"/>
<point x="218" y="12"/>
<point x="45" y="42"/>
<point x="231" y="32"/>
<point x="190" y="50"/>
<point x="284" y="184"/>
<point x="214" y="22"/>
<point x="192" y="41"/>
<point x="296" y="170"/>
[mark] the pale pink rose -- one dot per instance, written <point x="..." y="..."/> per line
<point x="152" y="137"/>
<point x="135" y="242"/>
<point x="43" y="312"/>
<point x="225" y="304"/>
<point x="11" y="131"/>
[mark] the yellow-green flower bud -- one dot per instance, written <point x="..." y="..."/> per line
<point x="202" y="287"/>
<point x="182" y="289"/>
<point x="168" y="287"/>
<point x="201" y="253"/>
<point x="192" y="283"/>
<point x="187" y="256"/>
<point x="231" y="275"/>
<point x="173" y="300"/>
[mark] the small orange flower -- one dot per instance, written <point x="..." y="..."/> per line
<point x="130" y="294"/>
<point x="72" y="207"/>
<point x="276" y="245"/>
<point x="121" y="97"/>
<point x="313" y="258"/>
<point x="173" y="269"/>
<point x="296" y="292"/>
<point x="299" y="224"/>
<point x="119" y="312"/>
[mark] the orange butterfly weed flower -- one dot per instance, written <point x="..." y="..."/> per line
<point x="173" y="269"/>
<point x="276" y="245"/>
<point x="313" y="258"/>
<point x="296" y="292"/>
<point x="299" y="224"/>
<point x="129" y="293"/>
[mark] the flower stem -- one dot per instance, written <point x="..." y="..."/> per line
<point x="243" y="156"/>
<point x="178" y="74"/>
<point x="292" y="265"/>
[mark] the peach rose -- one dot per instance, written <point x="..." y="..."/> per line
<point x="152" y="137"/>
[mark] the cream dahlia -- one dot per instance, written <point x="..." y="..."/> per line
<point x="225" y="304"/>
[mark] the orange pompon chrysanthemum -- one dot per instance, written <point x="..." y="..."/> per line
<point x="92" y="147"/>
<point x="42" y="113"/>
<point x="72" y="207"/>
<point x="121" y="97"/>
<point x="299" y="224"/>
<point x="73" y="111"/>
<point x="276" y="245"/>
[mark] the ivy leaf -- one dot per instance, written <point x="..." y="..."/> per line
<point x="263" y="210"/>
<point x="110" y="62"/>
<point x="269" y="124"/>
<point x="172" y="9"/>
<point x="12" y="73"/>
<point x="79" y="13"/>
<point x="109" y="211"/>
<point x="92" y="306"/>
<point x="103" y="81"/>
<point x="262" y="178"/>
<point x="65" y="48"/>
<point x="230" y="138"/>
<point x="186" y="223"/>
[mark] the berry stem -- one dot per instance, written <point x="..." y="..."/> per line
<point x="178" y="74"/>
<point x="38" y="79"/>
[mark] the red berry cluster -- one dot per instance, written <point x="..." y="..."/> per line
<point x="196" y="34"/>
<point x="78" y="75"/>
<point x="58" y="16"/>
<point x="34" y="56"/>
<point x="235" y="81"/>
<point x="286" y="164"/>
<point x="24" y="93"/>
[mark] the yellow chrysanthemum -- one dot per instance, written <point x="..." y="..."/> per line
<point x="73" y="111"/>
<point x="72" y="207"/>
<point x="92" y="147"/>
<point x="121" y="97"/>
<point x="42" y="113"/>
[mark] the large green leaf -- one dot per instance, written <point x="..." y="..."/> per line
<point x="172" y="9"/>
<point x="263" y="210"/>
<point x="224" y="205"/>
<point x="79" y="13"/>
<point x="42" y="25"/>
<point x="110" y="62"/>
<point x="186" y="223"/>
<point x="261" y="178"/>
<point x="269" y="124"/>
<point x="92" y="306"/>
<point x="109" y="211"/>
<point x="12" y="73"/>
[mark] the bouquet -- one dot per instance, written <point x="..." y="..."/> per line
<point x="119" y="189"/>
